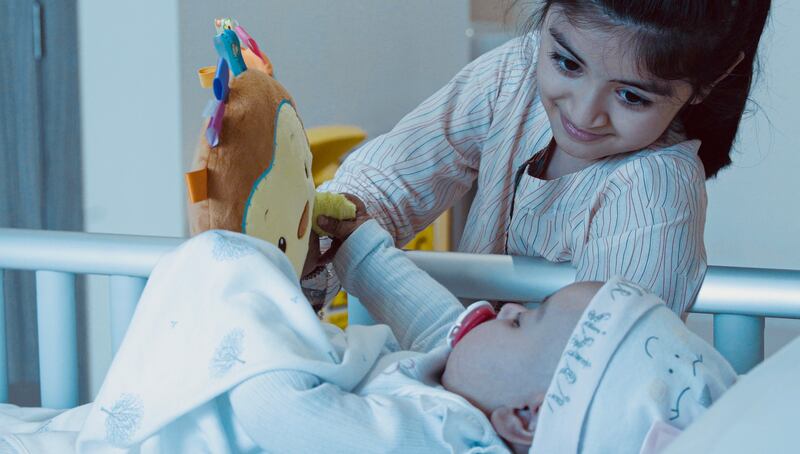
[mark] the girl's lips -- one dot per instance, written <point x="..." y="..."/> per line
<point x="473" y="316"/>
<point x="579" y="134"/>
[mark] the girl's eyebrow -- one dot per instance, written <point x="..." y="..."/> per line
<point x="563" y="43"/>
<point x="649" y="86"/>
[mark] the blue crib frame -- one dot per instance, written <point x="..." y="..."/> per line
<point x="738" y="298"/>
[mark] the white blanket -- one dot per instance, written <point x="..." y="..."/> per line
<point x="211" y="316"/>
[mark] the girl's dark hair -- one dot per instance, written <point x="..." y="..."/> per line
<point x="696" y="41"/>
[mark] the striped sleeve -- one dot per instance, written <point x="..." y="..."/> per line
<point x="410" y="175"/>
<point x="647" y="225"/>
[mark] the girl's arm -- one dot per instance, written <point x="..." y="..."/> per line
<point x="418" y="309"/>
<point x="648" y="227"/>
<point x="410" y="175"/>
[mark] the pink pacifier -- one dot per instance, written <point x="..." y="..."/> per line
<point x="475" y="314"/>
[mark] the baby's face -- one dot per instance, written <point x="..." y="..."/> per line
<point x="513" y="356"/>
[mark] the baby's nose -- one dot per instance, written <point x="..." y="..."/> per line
<point x="510" y="310"/>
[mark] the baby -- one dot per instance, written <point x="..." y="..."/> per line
<point x="595" y="368"/>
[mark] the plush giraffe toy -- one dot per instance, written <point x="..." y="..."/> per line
<point x="252" y="167"/>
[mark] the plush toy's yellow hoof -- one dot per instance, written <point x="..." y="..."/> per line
<point x="334" y="206"/>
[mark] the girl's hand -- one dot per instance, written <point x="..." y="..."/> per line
<point x="340" y="230"/>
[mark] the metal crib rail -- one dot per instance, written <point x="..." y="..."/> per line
<point x="82" y="253"/>
<point x="739" y="298"/>
<point x="57" y="257"/>
<point x="726" y="290"/>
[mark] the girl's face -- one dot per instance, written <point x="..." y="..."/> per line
<point x="598" y="102"/>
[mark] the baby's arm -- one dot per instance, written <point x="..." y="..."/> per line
<point x="418" y="309"/>
<point x="293" y="411"/>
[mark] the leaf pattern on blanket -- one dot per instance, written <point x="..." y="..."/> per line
<point x="227" y="353"/>
<point x="230" y="248"/>
<point x="123" y="419"/>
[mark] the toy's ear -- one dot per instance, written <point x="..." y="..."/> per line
<point x="257" y="62"/>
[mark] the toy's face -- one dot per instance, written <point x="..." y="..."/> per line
<point x="282" y="199"/>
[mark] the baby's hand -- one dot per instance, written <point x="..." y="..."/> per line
<point x="340" y="230"/>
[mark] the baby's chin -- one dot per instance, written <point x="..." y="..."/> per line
<point x="463" y="377"/>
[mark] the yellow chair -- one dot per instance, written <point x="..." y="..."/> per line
<point x="328" y="145"/>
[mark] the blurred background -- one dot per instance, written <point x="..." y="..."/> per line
<point x="100" y="111"/>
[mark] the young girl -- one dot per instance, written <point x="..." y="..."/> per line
<point x="590" y="138"/>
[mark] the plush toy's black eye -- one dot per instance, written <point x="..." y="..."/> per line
<point x="282" y="244"/>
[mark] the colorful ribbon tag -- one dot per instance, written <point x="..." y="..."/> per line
<point x="248" y="41"/>
<point x="227" y="45"/>
<point x="215" y="125"/>
<point x="221" y="81"/>
<point x="206" y="76"/>
<point x="224" y="23"/>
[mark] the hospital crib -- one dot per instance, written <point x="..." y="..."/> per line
<point x="738" y="298"/>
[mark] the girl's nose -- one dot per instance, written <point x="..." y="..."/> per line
<point x="589" y="112"/>
<point x="510" y="310"/>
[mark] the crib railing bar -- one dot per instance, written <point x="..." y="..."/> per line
<point x="726" y="290"/>
<point x="124" y="294"/>
<point x="743" y="291"/>
<point x="82" y="253"/>
<point x="58" y="351"/>
<point x="740" y="339"/>
<point x="750" y="291"/>
<point x="3" y="352"/>
<point x="498" y="277"/>
<point x="742" y="296"/>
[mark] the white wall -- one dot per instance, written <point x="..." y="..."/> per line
<point x="130" y="116"/>
<point x="754" y="206"/>
<point x="349" y="61"/>
<point x="130" y="134"/>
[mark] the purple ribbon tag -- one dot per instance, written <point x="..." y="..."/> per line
<point x="215" y="125"/>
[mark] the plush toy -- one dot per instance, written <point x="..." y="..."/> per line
<point x="252" y="168"/>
